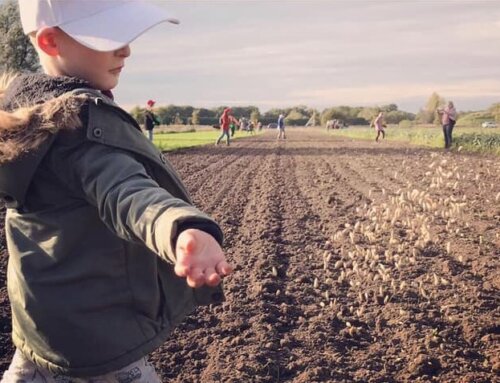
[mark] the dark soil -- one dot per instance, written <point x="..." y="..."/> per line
<point x="333" y="283"/>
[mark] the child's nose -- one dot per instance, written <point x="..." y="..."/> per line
<point x="123" y="52"/>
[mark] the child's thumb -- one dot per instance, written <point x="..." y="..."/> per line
<point x="186" y="242"/>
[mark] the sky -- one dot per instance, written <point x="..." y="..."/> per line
<point x="318" y="53"/>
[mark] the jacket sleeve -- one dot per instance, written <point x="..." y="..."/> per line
<point x="127" y="199"/>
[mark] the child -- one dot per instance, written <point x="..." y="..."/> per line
<point x="281" y="127"/>
<point x="150" y="119"/>
<point x="225" y="120"/>
<point x="106" y="252"/>
<point x="379" y="125"/>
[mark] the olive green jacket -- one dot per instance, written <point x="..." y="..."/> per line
<point x="94" y="210"/>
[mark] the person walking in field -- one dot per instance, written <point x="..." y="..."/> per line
<point x="225" y="120"/>
<point x="107" y="253"/>
<point x="251" y="127"/>
<point x="150" y="119"/>
<point x="379" y="125"/>
<point x="281" y="127"/>
<point x="448" y="120"/>
<point x="243" y="123"/>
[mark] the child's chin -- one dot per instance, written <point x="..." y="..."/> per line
<point x="106" y="85"/>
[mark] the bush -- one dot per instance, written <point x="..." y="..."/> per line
<point x="208" y="120"/>
<point x="405" y="124"/>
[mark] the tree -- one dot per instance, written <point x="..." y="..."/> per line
<point x="396" y="116"/>
<point x="337" y="113"/>
<point x="195" y="117"/>
<point x="138" y="113"/>
<point x="428" y="114"/>
<point x="314" y="120"/>
<point x="255" y="115"/>
<point x="295" y="118"/>
<point x="16" y="52"/>
<point x="369" y="113"/>
<point x="389" y="108"/>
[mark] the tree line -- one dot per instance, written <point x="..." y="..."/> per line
<point x="294" y="116"/>
<point x="18" y="55"/>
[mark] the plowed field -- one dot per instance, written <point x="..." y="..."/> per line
<point x="355" y="262"/>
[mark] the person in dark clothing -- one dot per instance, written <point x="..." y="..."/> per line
<point x="281" y="127"/>
<point x="150" y="119"/>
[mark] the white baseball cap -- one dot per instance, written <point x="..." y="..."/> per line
<point x="102" y="25"/>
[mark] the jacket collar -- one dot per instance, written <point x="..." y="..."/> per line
<point x="34" y="107"/>
<point x="27" y="90"/>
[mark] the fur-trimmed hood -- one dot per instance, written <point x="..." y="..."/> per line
<point x="33" y="107"/>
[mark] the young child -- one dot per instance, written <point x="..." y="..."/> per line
<point x="379" y="125"/>
<point x="106" y="252"/>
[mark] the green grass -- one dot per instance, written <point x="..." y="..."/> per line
<point x="469" y="139"/>
<point x="174" y="141"/>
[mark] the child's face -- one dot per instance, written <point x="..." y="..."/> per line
<point x="101" y="69"/>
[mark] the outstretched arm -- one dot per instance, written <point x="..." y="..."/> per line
<point x="234" y="120"/>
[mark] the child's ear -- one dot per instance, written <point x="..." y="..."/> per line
<point x="46" y="39"/>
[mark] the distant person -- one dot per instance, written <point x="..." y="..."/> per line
<point x="150" y="119"/>
<point x="448" y="120"/>
<point x="243" y="124"/>
<point x="225" y="120"/>
<point x="379" y="125"/>
<point x="259" y="126"/>
<point x="232" y="127"/>
<point x="281" y="127"/>
<point x="329" y="125"/>
<point x="251" y="127"/>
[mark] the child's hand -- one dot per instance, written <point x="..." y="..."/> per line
<point x="200" y="259"/>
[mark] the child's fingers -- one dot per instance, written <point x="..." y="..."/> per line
<point x="195" y="277"/>
<point x="211" y="277"/>
<point x="183" y="263"/>
<point x="223" y="268"/>
<point x="181" y="270"/>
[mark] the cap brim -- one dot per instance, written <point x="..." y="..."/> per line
<point x="116" y="27"/>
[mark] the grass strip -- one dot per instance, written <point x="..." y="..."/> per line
<point x="174" y="141"/>
<point x="469" y="139"/>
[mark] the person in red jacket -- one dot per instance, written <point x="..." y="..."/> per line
<point x="225" y="121"/>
